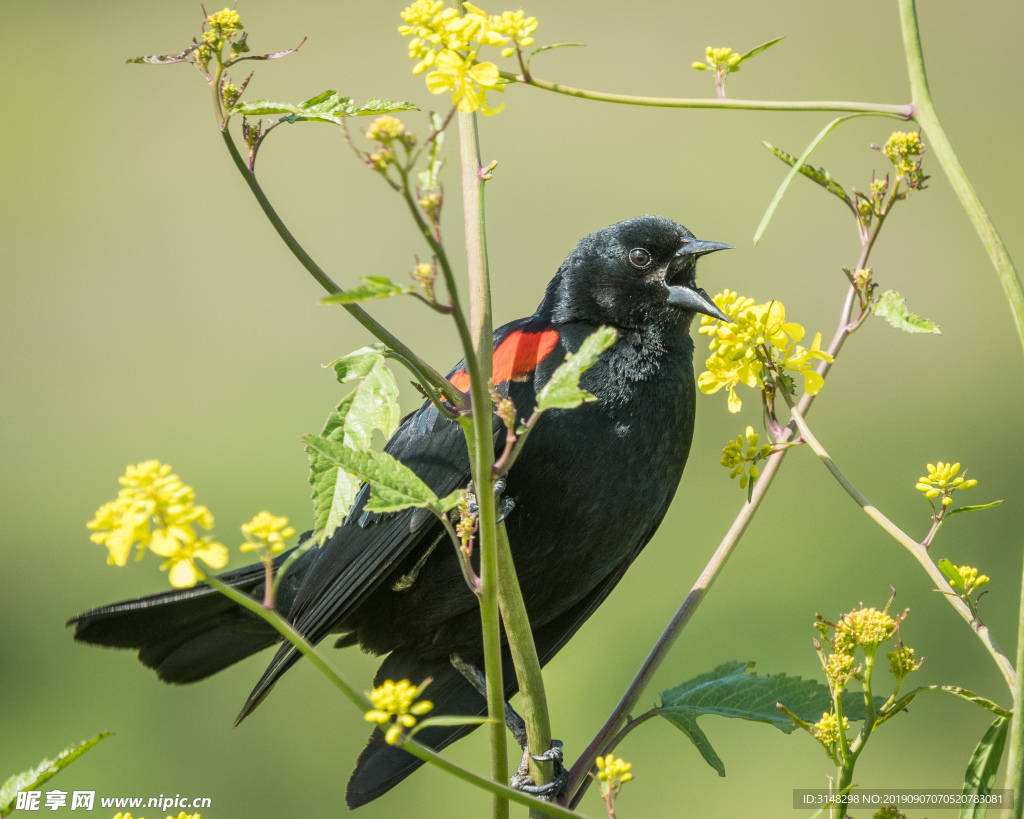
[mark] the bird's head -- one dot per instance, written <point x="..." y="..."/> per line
<point x="633" y="274"/>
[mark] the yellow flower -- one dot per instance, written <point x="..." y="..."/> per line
<point x="269" y="532"/>
<point x="739" y="455"/>
<point x="970" y="580"/>
<point x="901" y="661"/>
<point x="228" y="20"/>
<point x="722" y="372"/>
<point x="466" y="80"/>
<point x="719" y="59"/>
<point x="838" y="670"/>
<point x="517" y="27"/>
<point x="827" y="728"/>
<point x="902" y="149"/>
<point x="943" y="479"/>
<point x="612" y="773"/>
<point x="181" y="548"/>
<point x="397" y="701"/>
<point x="865" y="627"/>
<point x="385" y="129"/>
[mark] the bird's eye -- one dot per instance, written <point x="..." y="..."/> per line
<point x="640" y="258"/>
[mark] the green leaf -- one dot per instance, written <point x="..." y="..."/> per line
<point x="393" y="485"/>
<point x="956" y="691"/>
<point x="960" y="509"/>
<point x="729" y="691"/>
<point x="372" y="405"/>
<point x="449" y="501"/>
<point x="819" y="175"/>
<point x="763" y="47"/>
<point x="537" y="51"/>
<point x="563" y="388"/>
<point x="31" y="779"/>
<point x="761" y="228"/>
<point x="330" y="107"/>
<point x="952" y="574"/>
<point x="892" y="307"/>
<point x="982" y="767"/>
<point x="163" y="59"/>
<point x="376" y="287"/>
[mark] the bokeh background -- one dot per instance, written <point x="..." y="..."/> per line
<point x="148" y="311"/>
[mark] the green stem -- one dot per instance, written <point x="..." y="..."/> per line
<point x="904" y="111"/>
<point x="1015" y="763"/>
<point x="423" y="369"/>
<point x="924" y="113"/>
<point x="364" y="705"/>
<point x="526" y="662"/>
<point x="479" y="437"/>
<point x="918" y="550"/>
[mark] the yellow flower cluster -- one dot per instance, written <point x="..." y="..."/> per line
<point x="398" y="701"/>
<point x="901" y="661"/>
<point x="223" y="26"/>
<point x="385" y="129"/>
<point x="612" y="773"/>
<point x="838" y="670"/>
<point x="719" y="59"/>
<point x="943" y="479"/>
<point x="152" y="496"/>
<point x="757" y="335"/>
<point x="449" y="43"/>
<point x="827" y="728"/>
<point x="266" y="532"/>
<point x="865" y="627"/>
<point x="970" y="580"/>
<point x="739" y="454"/>
<point x="903" y="149"/>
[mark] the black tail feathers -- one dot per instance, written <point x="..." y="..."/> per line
<point x="191" y="634"/>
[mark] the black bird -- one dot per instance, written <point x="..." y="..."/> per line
<point x="590" y="488"/>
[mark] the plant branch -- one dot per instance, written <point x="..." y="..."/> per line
<point x="904" y="111"/>
<point x="423" y="369"/>
<point x="918" y="550"/>
<point x="924" y="113"/>
<point x="1015" y="762"/>
<point x="479" y="438"/>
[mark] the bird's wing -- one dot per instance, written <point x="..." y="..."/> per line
<point x="362" y="552"/>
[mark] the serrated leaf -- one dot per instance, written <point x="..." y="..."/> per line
<point x="163" y="59"/>
<point x="563" y="388"/>
<point x="763" y="47"/>
<point x="393" y="484"/>
<point x="330" y="107"/>
<point x="542" y="49"/>
<point x="761" y="228"/>
<point x="372" y="405"/>
<point x="892" y="307"/>
<point x="819" y="175"/>
<point x="729" y="691"/>
<point x="31" y="779"/>
<point x="982" y="767"/>
<point x="376" y="287"/>
<point x="974" y="508"/>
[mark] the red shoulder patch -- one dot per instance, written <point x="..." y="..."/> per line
<point x="515" y="358"/>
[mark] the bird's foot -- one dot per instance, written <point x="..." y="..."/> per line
<point x="522" y="781"/>
<point x="505" y="505"/>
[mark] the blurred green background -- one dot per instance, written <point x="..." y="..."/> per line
<point x="148" y="311"/>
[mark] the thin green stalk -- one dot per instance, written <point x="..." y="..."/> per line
<point x="1015" y="763"/>
<point x="904" y="111"/>
<point x="526" y="662"/>
<point x="364" y="705"/>
<point x="479" y="437"/>
<point x="918" y="550"/>
<point x="423" y="369"/>
<point x="924" y="113"/>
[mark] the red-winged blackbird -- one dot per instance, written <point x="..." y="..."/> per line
<point x="590" y="488"/>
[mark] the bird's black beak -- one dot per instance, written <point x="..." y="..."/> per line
<point x="689" y="295"/>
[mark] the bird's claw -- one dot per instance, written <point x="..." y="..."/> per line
<point x="505" y="505"/>
<point x="558" y="786"/>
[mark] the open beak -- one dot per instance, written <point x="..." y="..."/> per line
<point x="689" y="295"/>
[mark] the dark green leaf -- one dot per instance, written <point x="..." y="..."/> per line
<point x="763" y="47"/>
<point x="393" y="485"/>
<point x="376" y="287"/>
<point x="330" y="107"/>
<point x="729" y="691"/>
<point x="819" y="175"/>
<point x="892" y="307"/>
<point x="952" y="574"/>
<point x="960" y="509"/>
<point x="563" y="388"/>
<point x="982" y="767"/>
<point x="542" y="49"/>
<point x="761" y="228"/>
<point x="31" y="779"/>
